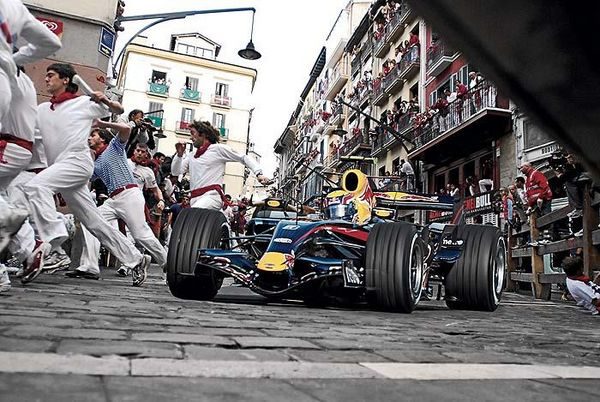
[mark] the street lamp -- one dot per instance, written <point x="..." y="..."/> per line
<point x="248" y="53"/>
<point x="339" y="130"/>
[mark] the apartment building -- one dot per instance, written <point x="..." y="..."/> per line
<point x="186" y="82"/>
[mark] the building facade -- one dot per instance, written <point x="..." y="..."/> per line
<point x="87" y="34"/>
<point x="184" y="83"/>
<point x="392" y="76"/>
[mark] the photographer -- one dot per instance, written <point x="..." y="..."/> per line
<point x="572" y="175"/>
<point x="142" y="132"/>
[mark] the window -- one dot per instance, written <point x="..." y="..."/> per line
<point x="218" y="120"/>
<point x="154" y="106"/>
<point x="382" y="171"/>
<point x="191" y="83"/>
<point x="533" y="136"/>
<point x="221" y="89"/>
<point x="439" y="182"/>
<point x="206" y="53"/>
<point x="453" y="177"/>
<point x="187" y="115"/>
<point x="159" y="77"/>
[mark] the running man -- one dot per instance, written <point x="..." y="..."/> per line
<point x="207" y="166"/>
<point x="65" y="123"/>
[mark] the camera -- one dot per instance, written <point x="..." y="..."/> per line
<point x="147" y="124"/>
<point x="558" y="160"/>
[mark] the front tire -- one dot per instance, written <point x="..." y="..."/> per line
<point x="194" y="229"/>
<point x="395" y="266"/>
<point x="476" y="280"/>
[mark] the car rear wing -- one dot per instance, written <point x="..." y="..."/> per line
<point x="410" y="200"/>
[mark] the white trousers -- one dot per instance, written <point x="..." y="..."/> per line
<point x="208" y="200"/>
<point x="13" y="160"/>
<point x="70" y="177"/>
<point x="128" y="206"/>
<point x="23" y="242"/>
<point x="6" y="92"/>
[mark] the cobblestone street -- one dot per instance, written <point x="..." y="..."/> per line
<point x="69" y="339"/>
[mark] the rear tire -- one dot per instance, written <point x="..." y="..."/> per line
<point x="395" y="266"/>
<point x="476" y="280"/>
<point x="194" y="229"/>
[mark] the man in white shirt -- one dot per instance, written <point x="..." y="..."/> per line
<point x="18" y="99"/>
<point x="585" y="292"/>
<point x="207" y="166"/>
<point x="65" y="124"/>
<point x="407" y="170"/>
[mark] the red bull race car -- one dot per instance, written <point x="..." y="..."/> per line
<point x="360" y="250"/>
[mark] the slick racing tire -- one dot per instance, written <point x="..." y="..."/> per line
<point x="395" y="266"/>
<point x="194" y="229"/>
<point x="476" y="280"/>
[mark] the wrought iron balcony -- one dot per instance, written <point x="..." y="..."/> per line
<point x="439" y="57"/>
<point x="156" y="89"/>
<point x="396" y="23"/>
<point x="338" y="79"/>
<point x="409" y="64"/>
<point x="480" y="115"/>
<point x="392" y="82"/>
<point x="190" y="95"/>
<point x="379" y="95"/>
<point x="381" y="46"/>
<point x="221" y="101"/>
<point x="355" y="143"/>
<point x="383" y="142"/>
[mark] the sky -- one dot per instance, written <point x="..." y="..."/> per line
<point x="289" y="34"/>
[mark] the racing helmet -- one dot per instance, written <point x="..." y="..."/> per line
<point x="343" y="211"/>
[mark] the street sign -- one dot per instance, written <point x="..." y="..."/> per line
<point x="107" y="42"/>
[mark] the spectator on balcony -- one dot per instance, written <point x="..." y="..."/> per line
<point x="537" y="189"/>
<point x="413" y="40"/>
<point x="413" y="106"/>
<point x="379" y="31"/>
<point x="462" y="94"/>
<point x="407" y="171"/>
<point x="386" y="68"/>
<point x="487" y="173"/>
<point x="398" y="54"/>
<point x="470" y="187"/>
<point x="441" y="105"/>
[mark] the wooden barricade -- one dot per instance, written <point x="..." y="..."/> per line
<point x="541" y="282"/>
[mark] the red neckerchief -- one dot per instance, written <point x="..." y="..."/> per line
<point x="201" y="150"/>
<point x="141" y="163"/>
<point x="65" y="96"/>
<point x="100" y="150"/>
<point x="581" y="278"/>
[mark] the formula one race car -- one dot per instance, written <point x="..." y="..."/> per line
<point x="360" y="252"/>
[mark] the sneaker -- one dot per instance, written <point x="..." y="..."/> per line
<point x="544" y="242"/>
<point x="532" y="244"/>
<point x="123" y="271"/>
<point x="35" y="262"/>
<point x="576" y="213"/>
<point x="4" y="279"/>
<point x="10" y="224"/>
<point x="13" y="266"/>
<point x="56" y="262"/>
<point x="139" y="272"/>
<point x="579" y="234"/>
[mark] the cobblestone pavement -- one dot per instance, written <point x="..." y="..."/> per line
<point x="77" y="339"/>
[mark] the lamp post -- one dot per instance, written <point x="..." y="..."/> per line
<point x="249" y="52"/>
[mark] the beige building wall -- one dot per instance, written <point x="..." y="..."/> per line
<point x="138" y="65"/>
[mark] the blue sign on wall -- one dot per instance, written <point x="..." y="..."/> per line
<point x="107" y="42"/>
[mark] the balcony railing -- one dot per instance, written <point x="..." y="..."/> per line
<point x="381" y="46"/>
<point x="409" y="63"/>
<point x="395" y="25"/>
<point x="158" y="89"/>
<point x="353" y="143"/>
<point x="337" y="114"/>
<point x="224" y="133"/>
<point x="339" y="77"/>
<point x="182" y="126"/>
<point x="392" y="81"/>
<point x="458" y="112"/>
<point x="221" y="101"/>
<point x="384" y="141"/>
<point x="379" y="95"/>
<point x="439" y="56"/>
<point x="189" y="95"/>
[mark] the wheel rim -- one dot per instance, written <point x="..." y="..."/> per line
<point x="416" y="270"/>
<point x="499" y="269"/>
